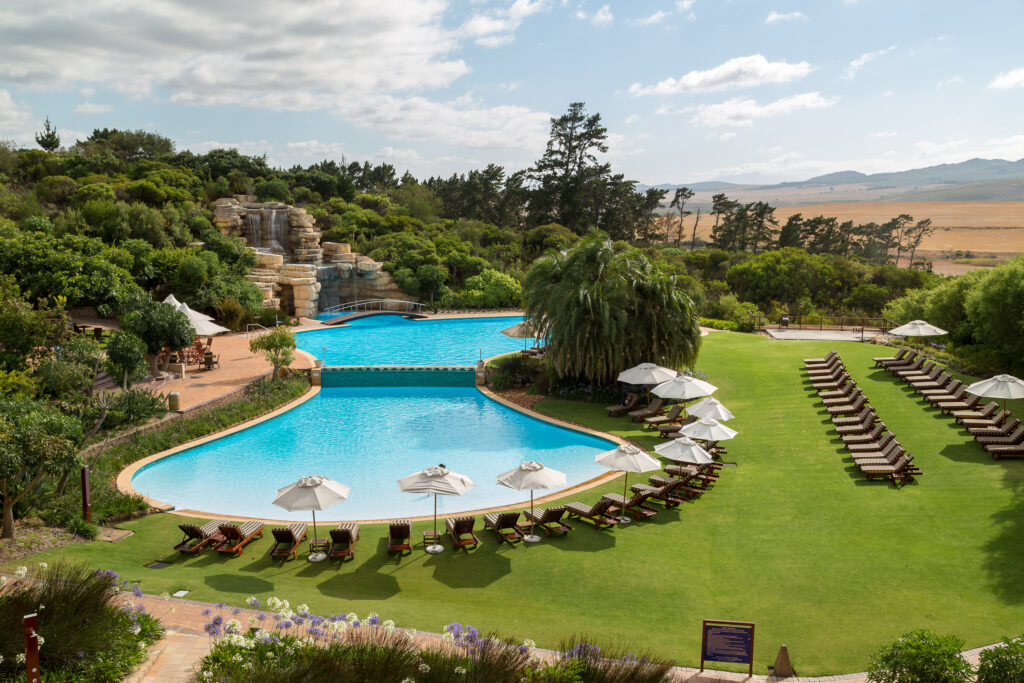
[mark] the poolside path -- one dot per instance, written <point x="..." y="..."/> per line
<point x="175" y="658"/>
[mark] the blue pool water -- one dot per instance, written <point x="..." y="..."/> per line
<point x="367" y="438"/>
<point x="391" y="340"/>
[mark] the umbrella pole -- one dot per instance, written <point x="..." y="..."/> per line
<point x="623" y="519"/>
<point x="435" y="515"/>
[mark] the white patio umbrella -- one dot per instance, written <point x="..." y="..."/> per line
<point x="708" y="429"/>
<point x="646" y="374"/>
<point x="684" y="387"/>
<point x="311" y="493"/>
<point x="441" y="482"/>
<point x="177" y="304"/>
<point x="713" y="408"/>
<point x="524" y="330"/>
<point x="203" y="324"/>
<point x="532" y="475"/>
<point x="685" y="450"/>
<point x="917" y="328"/>
<point x="1000" y="386"/>
<point x="627" y="458"/>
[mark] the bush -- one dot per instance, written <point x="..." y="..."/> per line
<point x="1004" y="663"/>
<point x="920" y="657"/>
<point x="233" y="314"/>
<point x="719" y="324"/>
<point x="84" y="636"/>
<point x="134" y="406"/>
<point x="126" y="358"/>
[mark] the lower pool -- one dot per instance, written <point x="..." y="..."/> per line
<point x="367" y="438"/>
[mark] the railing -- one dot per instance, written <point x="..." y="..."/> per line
<point x="822" y="322"/>
<point x="375" y="305"/>
<point x="255" y="330"/>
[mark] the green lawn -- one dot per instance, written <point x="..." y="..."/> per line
<point x="792" y="538"/>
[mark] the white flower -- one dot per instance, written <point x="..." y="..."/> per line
<point x="43" y="565"/>
<point x="1" y="659"/>
<point x="447" y="635"/>
<point x="253" y="621"/>
<point x="302" y="608"/>
<point x="424" y="668"/>
<point x="135" y="628"/>
<point x="40" y="608"/>
<point x="165" y="595"/>
<point x="287" y="613"/>
<point x="460" y="669"/>
<point x="336" y="627"/>
<point x="351" y="616"/>
<point x="529" y="643"/>
<point x="39" y="639"/>
<point x="270" y="655"/>
<point x="3" y="581"/>
<point x="232" y="626"/>
<point x="408" y="680"/>
<point x="236" y="658"/>
<point x="274" y="604"/>
<point x="21" y="571"/>
<point x="236" y="640"/>
<point x="19" y="658"/>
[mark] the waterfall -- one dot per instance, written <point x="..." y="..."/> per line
<point x="255" y="233"/>
<point x="277" y="231"/>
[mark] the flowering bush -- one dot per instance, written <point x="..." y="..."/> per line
<point x="82" y="634"/>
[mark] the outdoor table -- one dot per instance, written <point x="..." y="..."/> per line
<point x="431" y="537"/>
<point x="318" y="545"/>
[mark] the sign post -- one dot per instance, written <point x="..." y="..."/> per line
<point x="31" y="649"/>
<point x="728" y="641"/>
<point x="86" y="496"/>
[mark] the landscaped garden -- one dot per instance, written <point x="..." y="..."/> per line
<point x="792" y="538"/>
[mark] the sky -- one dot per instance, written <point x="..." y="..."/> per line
<point x="690" y="90"/>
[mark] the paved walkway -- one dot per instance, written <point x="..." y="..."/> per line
<point x="820" y="335"/>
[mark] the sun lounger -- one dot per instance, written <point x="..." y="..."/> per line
<point x="342" y="540"/>
<point x="873" y="434"/>
<point x="990" y="426"/>
<point x="1001" y="451"/>
<point x="829" y="357"/>
<point x="624" y="407"/>
<point x="663" y="494"/>
<point x="883" y="361"/>
<point x="460" y="530"/>
<point x="650" y="411"/>
<point x="847" y="387"/>
<point x="196" y="539"/>
<point x="906" y="363"/>
<point x="683" y="491"/>
<point x="892" y="472"/>
<point x="871" y="446"/>
<point x="1012" y="439"/>
<point x="968" y="402"/>
<point x="550" y="520"/>
<point x="886" y="456"/>
<point x="237" y="537"/>
<point x="849" y="408"/>
<point x="988" y="411"/>
<point x="673" y="429"/>
<point x="836" y="370"/>
<point x="937" y="384"/>
<point x="634" y="506"/>
<point x="947" y="391"/>
<point x="924" y="371"/>
<point x="668" y="418"/>
<point x="845" y="400"/>
<point x="287" y="540"/>
<point x="505" y="524"/>
<point x="597" y="513"/>
<point x="400" y="536"/>
<point x="865" y="418"/>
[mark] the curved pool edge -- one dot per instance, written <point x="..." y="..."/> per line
<point x="125" y="476"/>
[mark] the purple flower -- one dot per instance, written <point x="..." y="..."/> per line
<point x="217" y="620"/>
<point x="212" y="629"/>
<point x="261" y="616"/>
<point x="206" y="612"/>
<point x="373" y="621"/>
<point x="220" y="605"/>
<point x="236" y="611"/>
<point x="136" y="591"/>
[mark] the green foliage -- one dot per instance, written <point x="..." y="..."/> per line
<point x="273" y="191"/>
<point x="920" y="657"/>
<point x="159" y="325"/>
<point x="133" y="406"/>
<point x="491" y="289"/>
<point x="37" y="224"/>
<point x="278" y="346"/>
<point x="47" y="138"/>
<point x="92" y="192"/>
<point x="126" y="358"/>
<point x="18" y="384"/>
<point x="233" y="315"/>
<point x="868" y="297"/>
<point x="602" y="312"/>
<point x="26" y="333"/>
<point x="1003" y="663"/>
<point x="719" y="324"/>
<point x="86" y="635"/>
<point x="56" y="189"/>
<point x="126" y="145"/>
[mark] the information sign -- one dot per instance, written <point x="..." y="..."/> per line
<point x="728" y="641"/>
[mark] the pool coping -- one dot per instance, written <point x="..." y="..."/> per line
<point x="124" y="477"/>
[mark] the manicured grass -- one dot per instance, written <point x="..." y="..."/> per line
<point x="791" y="538"/>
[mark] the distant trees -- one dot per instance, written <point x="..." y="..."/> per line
<point x="679" y="199"/>
<point x="48" y="138"/>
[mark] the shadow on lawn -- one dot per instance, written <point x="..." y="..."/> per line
<point x="1006" y="571"/>
<point x="372" y="580"/>
<point x="240" y="585"/>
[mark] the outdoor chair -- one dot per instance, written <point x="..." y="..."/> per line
<point x="985" y="424"/>
<point x="874" y="434"/>
<point x="861" y="422"/>
<point x="823" y="364"/>
<point x="948" y="391"/>
<point x="670" y="430"/>
<point x="904" y="362"/>
<point x="668" y="418"/>
<point x="871" y="446"/>
<point x="634" y="506"/>
<point x="819" y="361"/>
<point x="196" y="539"/>
<point x="1003" y="451"/>
<point x="886" y="456"/>
<point x="882" y="361"/>
<point x="287" y="540"/>
<point x="651" y="410"/>
<point x="968" y="402"/>
<point x="342" y="540"/>
<point x="849" y="408"/>
<point x="831" y="383"/>
<point x="924" y="371"/>
<point x="550" y="520"/>
<point x="460" y="530"/>
<point x="887" y="471"/>
<point x="624" y="407"/>
<point x="1012" y="439"/>
<point x="911" y="367"/>
<point x="237" y="537"/>
<point x="683" y="491"/>
<point x="662" y="494"/>
<point x="815" y="374"/>
<point x="998" y="431"/>
<point x="936" y="384"/>
<point x="505" y="524"/>
<point x="847" y="386"/>
<point x="844" y="400"/>
<point x="597" y="513"/>
<point x="400" y="536"/>
<point x="986" y="412"/>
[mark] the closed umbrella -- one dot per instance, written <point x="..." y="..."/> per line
<point x="311" y="493"/>
<point x="713" y="408"/>
<point x="1000" y="386"/>
<point x="684" y="450"/>
<point x="627" y="458"/>
<point x="532" y="475"/>
<point x="708" y="429"/>
<point x="646" y="374"/>
<point x="439" y="481"/>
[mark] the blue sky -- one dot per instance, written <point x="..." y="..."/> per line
<point x="690" y="90"/>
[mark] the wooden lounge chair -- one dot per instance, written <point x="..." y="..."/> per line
<point x="550" y="520"/>
<point x="854" y="395"/>
<point x="287" y="540"/>
<point x="831" y="371"/>
<point x="988" y="411"/>
<point x="873" y="434"/>
<point x="342" y="540"/>
<point x="460" y="530"/>
<point x="1001" y="451"/>
<point x="905" y="363"/>
<point x="196" y="539"/>
<point x="829" y="358"/>
<point x="846" y="387"/>
<point x="673" y="429"/>
<point x="634" y="506"/>
<point x="237" y="537"/>
<point x="947" y="391"/>
<point x="831" y="383"/>
<point x="940" y="381"/>
<point x="650" y="411"/>
<point x="882" y="361"/>
<point x="400" y="536"/>
<point x="685" y="490"/>
<point x="1012" y="439"/>
<point x="987" y="424"/>
<point x="668" y="418"/>
<point x="892" y="472"/>
<point x="968" y="402"/>
<point x="849" y="408"/>
<point x="624" y="407"/>
<point x="886" y="456"/>
<point x="871" y="446"/>
<point x="662" y="494"/>
<point x="597" y="513"/>
<point x="865" y="418"/>
<point x="926" y="370"/>
<point x="505" y="524"/>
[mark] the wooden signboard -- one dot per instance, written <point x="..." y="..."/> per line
<point x="728" y="641"/>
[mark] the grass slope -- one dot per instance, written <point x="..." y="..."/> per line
<point x="792" y="539"/>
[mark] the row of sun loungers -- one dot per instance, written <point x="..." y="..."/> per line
<point x="997" y="431"/>
<point x="230" y="538"/>
<point x="631" y="406"/>
<point x="872" y="447"/>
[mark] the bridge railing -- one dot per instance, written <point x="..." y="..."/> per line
<point x="819" y="322"/>
<point x="375" y="305"/>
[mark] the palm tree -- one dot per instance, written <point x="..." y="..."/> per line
<point x="602" y="311"/>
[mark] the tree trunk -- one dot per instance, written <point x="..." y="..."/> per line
<point x="154" y="368"/>
<point x="8" y="531"/>
<point x="693" y="238"/>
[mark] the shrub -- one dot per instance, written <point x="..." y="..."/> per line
<point x="1003" y="663"/>
<point x="233" y="314"/>
<point x="920" y="657"/>
<point x="718" y="324"/>
<point x="278" y="346"/>
<point x="135" y="405"/>
<point x="56" y="189"/>
<point x="126" y="358"/>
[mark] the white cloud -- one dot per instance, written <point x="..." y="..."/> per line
<point x="15" y="118"/>
<point x="510" y="87"/>
<point x="888" y="93"/>
<point x="631" y="119"/>
<point x="743" y="112"/>
<point x="93" y="108"/>
<point x="602" y="17"/>
<point x="687" y="7"/>
<point x="498" y="26"/>
<point x="884" y="134"/>
<point x="650" y="20"/>
<point x="724" y="137"/>
<point x="952" y="80"/>
<point x="1010" y="79"/>
<point x="739" y="72"/>
<point x="858" y="63"/>
<point x="776" y="17"/>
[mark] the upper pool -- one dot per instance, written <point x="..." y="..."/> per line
<point x="391" y="340"/>
<point x="367" y="438"/>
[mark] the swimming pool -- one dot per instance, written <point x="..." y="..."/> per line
<point x="367" y="438"/>
<point x="391" y="340"/>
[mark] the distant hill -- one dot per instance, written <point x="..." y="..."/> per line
<point x="993" y="191"/>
